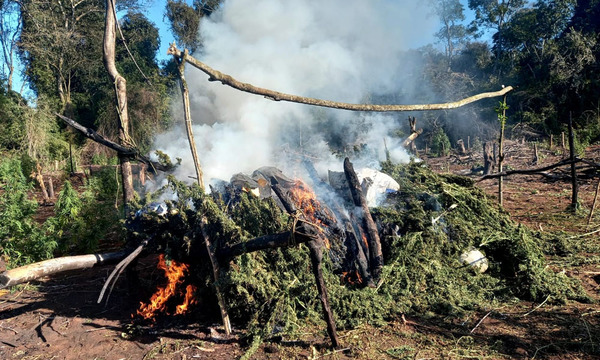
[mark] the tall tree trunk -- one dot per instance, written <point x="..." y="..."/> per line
<point x="121" y="93"/>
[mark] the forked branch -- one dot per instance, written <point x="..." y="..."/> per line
<point x="215" y="75"/>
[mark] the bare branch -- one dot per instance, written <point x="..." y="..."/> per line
<point x="215" y="75"/>
<point x="122" y="150"/>
<point x="530" y="171"/>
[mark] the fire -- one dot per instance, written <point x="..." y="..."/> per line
<point x="351" y="277"/>
<point x="175" y="274"/>
<point x="306" y="200"/>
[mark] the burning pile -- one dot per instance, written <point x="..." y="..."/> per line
<point x="271" y="290"/>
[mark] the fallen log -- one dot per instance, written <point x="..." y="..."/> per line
<point x="40" y="269"/>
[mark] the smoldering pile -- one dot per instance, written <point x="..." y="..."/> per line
<point x="270" y="291"/>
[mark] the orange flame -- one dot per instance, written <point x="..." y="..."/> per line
<point x="351" y="277"/>
<point x="306" y="200"/>
<point x="174" y="274"/>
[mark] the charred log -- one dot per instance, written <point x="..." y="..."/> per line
<point x="375" y="253"/>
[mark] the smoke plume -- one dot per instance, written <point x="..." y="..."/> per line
<point x="343" y="50"/>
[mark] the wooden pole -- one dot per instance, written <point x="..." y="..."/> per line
<point x="216" y="275"/>
<point x="574" y="195"/>
<point x="551" y="141"/>
<point x="188" y="116"/>
<point x="535" y="154"/>
<point x="488" y="159"/>
<point x="589" y="221"/>
<point x="316" y="256"/>
<point x="50" y="187"/>
<point x="501" y="150"/>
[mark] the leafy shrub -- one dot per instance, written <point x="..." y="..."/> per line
<point x="82" y="220"/>
<point x="22" y="240"/>
<point x="440" y="143"/>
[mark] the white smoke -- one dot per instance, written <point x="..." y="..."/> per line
<point x="343" y="50"/>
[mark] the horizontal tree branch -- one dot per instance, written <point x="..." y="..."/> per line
<point x="215" y="75"/>
<point x="530" y="171"/>
<point x="122" y="150"/>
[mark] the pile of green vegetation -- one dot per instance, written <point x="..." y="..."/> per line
<point x="273" y="291"/>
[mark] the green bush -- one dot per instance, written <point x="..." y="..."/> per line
<point x="440" y="143"/>
<point x="83" y="219"/>
<point x="22" y="240"/>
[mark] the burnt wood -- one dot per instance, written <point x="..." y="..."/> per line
<point x="376" y="255"/>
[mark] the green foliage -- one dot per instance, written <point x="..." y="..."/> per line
<point x="22" y="240"/>
<point x="185" y="20"/>
<point x="81" y="220"/>
<point x="440" y="143"/>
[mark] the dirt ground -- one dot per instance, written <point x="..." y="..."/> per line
<point x="60" y="319"/>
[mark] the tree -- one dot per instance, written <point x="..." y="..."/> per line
<point x="494" y="14"/>
<point x="185" y="20"/>
<point x="59" y="44"/>
<point x="452" y="33"/>
<point x="10" y="29"/>
<point x="110" y="34"/>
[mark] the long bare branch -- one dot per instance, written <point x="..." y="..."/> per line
<point x="131" y="152"/>
<point x="530" y="171"/>
<point x="215" y="75"/>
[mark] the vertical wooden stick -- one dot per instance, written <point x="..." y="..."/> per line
<point x="551" y="141"/>
<point x="594" y="203"/>
<point x="574" y="196"/>
<point x="501" y="152"/>
<point x="316" y="256"/>
<point x="215" y="267"/>
<point x="50" y="187"/>
<point x="188" y="117"/>
<point x="535" y="154"/>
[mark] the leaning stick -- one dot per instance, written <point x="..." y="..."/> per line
<point x="216" y="274"/>
<point x="119" y="269"/>
<point x="215" y="75"/>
